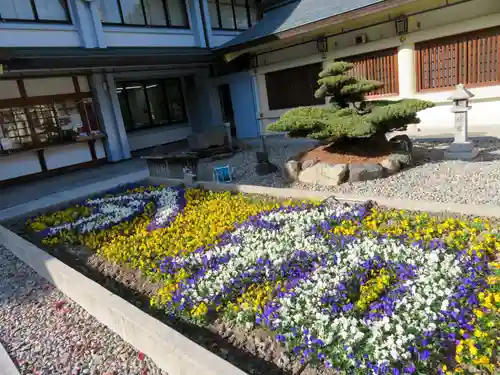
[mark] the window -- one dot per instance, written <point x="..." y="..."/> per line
<point x="37" y="121"/>
<point x="14" y="126"/>
<point x="178" y="14"/>
<point x="472" y="59"/>
<point x="379" y="66"/>
<point x="155" y="13"/>
<point x="232" y="14"/>
<point x="145" y="104"/>
<point x="133" y="12"/>
<point x="35" y="11"/>
<point x="293" y="87"/>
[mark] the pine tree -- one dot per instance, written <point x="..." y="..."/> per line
<point x="348" y="115"/>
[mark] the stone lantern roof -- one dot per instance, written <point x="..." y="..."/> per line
<point x="461" y="93"/>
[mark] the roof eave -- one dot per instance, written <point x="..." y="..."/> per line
<point x="64" y="58"/>
<point x="314" y="26"/>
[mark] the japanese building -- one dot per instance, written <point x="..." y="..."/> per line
<point x="417" y="48"/>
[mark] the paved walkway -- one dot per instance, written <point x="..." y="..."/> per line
<point x="19" y="194"/>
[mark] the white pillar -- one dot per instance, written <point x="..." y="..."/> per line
<point x="87" y="20"/>
<point x="406" y="70"/>
<point x="197" y="19"/>
<point x="110" y="117"/>
<point x="208" y="24"/>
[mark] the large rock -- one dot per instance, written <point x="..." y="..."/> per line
<point x="212" y="138"/>
<point x="292" y="169"/>
<point x="401" y="143"/>
<point x="364" y="172"/>
<point x="391" y="166"/>
<point x="404" y="159"/>
<point x="309" y="163"/>
<point x="324" y="174"/>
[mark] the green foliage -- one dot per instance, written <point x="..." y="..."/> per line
<point x="341" y="119"/>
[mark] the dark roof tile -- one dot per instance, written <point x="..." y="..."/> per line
<point x="295" y="14"/>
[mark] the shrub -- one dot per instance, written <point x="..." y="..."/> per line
<point x="348" y="115"/>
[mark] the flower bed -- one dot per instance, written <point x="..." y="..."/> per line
<point x="354" y="288"/>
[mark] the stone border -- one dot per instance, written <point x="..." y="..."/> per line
<point x="7" y="367"/>
<point x="401" y="204"/>
<point x="170" y="350"/>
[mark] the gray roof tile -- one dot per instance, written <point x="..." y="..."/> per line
<point x="297" y="14"/>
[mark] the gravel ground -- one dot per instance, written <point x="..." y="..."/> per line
<point x="46" y="333"/>
<point x="433" y="178"/>
<point x="244" y="164"/>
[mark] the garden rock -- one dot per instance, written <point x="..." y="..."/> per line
<point x="401" y="143"/>
<point x="292" y="170"/>
<point x="309" y="163"/>
<point x="404" y="159"/>
<point x="324" y="174"/>
<point x="391" y="166"/>
<point x="365" y="172"/>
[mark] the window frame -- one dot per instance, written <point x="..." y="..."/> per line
<point x="168" y="20"/>
<point x="37" y="19"/>
<point x="280" y="75"/>
<point x="143" y="84"/>
<point x="219" y="17"/>
<point x="460" y="44"/>
<point x="30" y="104"/>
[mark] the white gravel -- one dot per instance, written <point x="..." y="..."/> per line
<point x="434" y="179"/>
<point x="45" y="333"/>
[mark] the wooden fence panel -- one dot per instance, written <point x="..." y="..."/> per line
<point x="472" y="59"/>
<point x="379" y="66"/>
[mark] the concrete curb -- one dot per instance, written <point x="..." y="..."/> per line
<point x="70" y="195"/>
<point x="7" y="367"/>
<point x="411" y="205"/>
<point x="170" y="350"/>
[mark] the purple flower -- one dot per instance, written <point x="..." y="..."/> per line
<point x="410" y="368"/>
<point x="424" y="355"/>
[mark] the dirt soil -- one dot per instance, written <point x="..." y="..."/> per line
<point x="254" y="351"/>
<point x="350" y="150"/>
<point x="323" y="154"/>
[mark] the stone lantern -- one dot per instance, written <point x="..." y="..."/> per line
<point x="461" y="148"/>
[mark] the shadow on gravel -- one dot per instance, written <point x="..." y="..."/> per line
<point x="431" y="150"/>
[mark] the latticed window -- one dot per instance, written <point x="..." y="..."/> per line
<point x="293" y="87"/>
<point x="380" y="66"/>
<point x="472" y="59"/>
<point x="39" y="112"/>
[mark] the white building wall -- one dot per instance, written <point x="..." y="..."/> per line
<point x="148" y="37"/>
<point x="19" y="165"/>
<point x="457" y="19"/>
<point x="219" y="37"/>
<point x="63" y="156"/>
<point x="15" y="35"/>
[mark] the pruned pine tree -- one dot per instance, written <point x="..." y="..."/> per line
<point x="348" y="115"/>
